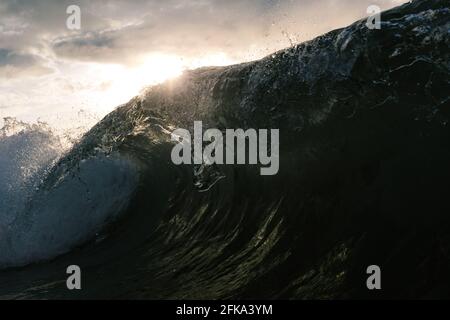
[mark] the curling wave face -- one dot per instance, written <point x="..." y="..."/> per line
<point x="39" y="221"/>
<point x="363" y="167"/>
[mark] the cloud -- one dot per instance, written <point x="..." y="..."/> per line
<point x="122" y="31"/>
<point x="13" y="65"/>
<point x="191" y="28"/>
<point x="183" y="28"/>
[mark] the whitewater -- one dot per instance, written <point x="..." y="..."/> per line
<point x="38" y="223"/>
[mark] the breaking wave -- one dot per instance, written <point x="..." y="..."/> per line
<point x="38" y="223"/>
<point x="363" y="179"/>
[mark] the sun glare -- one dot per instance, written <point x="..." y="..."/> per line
<point x="119" y="83"/>
<point x="158" y="68"/>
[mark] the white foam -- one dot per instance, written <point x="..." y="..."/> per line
<point x="38" y="224"/>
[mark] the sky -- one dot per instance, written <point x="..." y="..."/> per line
<point x="70" y="77"/>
